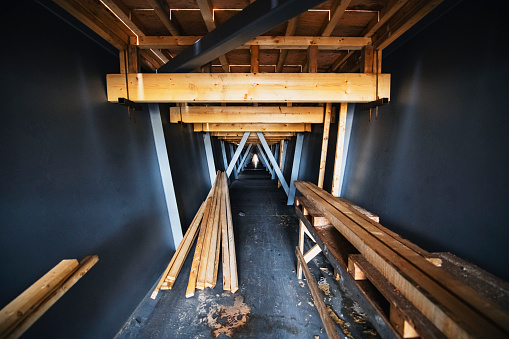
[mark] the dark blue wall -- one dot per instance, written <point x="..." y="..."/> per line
<point x="435" y="165"/>
<point x="78" y="178"/>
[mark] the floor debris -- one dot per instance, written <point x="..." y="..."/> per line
<point x="225" y="319"/>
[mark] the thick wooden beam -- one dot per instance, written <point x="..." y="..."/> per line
<point x="248" y="87"/>
<point x="387" y="12"/>
<point x="240" y="134"/>
<point x="338" y="8"/>
<point x="246" y="114"/>
<point x="252" y="127"/>
<point x="264" y="42"/>
<point x="161" y="9"/>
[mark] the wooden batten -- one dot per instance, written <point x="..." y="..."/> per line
<point x="248" y="87"/>
<point x="252" y="127"/>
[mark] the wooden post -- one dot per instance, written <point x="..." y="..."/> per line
<point x="325" y="143"/>
<point x="255" y="59"/>
<point x="313" y="59"/>
<point x="338" y="157"/>
<point x="301" y="247"/>
<point x="133" y="62"/>
<point x="402" y="326"/>
<point x="122" y="56"/>
<point x="368" y="60"/>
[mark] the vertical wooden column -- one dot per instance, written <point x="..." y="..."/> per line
<point x="255" y="59"/>
<point x="122" y="58"/>
<point x="338" y="157"/>
<point x="281" y="147"/>
<point x="368" y="60"/>
<point x="301" y="247"/>
<point x="325" y="143"/>
<point x="133" y="62"/>
<point x="313" y="59"/>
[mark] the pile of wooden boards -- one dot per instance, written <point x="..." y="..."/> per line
<point x="214" y="227"/>
<point x="22" y="312"/>
<point x="451" y="306"/>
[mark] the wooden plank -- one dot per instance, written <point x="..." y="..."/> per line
<point x="461" y="311"/>
<point x="263" y="42"/>
<point x="252" y="127"/>
<point x="387" y="12"/>
<point x="338" y="156"/>
<point x="255" y="59"/>
<point x="338" y="8"/>
<point x="186" y="244"/>
<point x="401" y="324"/>
<point x="193" y="276"/>
<point x="248" y="87"/>
<point x="12" y="314"/>
<point x="211" y="262"/>
<point x="231" y="246"/>
<point x="123" y="13"/>
<point x="161" y="9"/>
<point x="330" y="329"/>
<point x="84" y="266"/>
<point x="361" y="210"/>
<point x="407" y="311"/>
<point x="313" y="215"/>
<point x="224" y="236"/>
<point x="246" y="114"/>
<point x="241" y="134"/>
<point x="325" y="143"/>
<point x="313" y="252"/>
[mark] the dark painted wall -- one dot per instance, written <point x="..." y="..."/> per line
<point x="78" y="178"/>
<point x="435" y="165"/>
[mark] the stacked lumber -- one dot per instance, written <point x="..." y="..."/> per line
<point x="23" y="312"/>
<point x="213" y="227"/>
<point x="448" y="304"/>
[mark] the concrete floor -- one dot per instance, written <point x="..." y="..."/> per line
<point x="271" y="302"/>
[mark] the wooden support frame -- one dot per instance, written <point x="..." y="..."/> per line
<point x="295" y="168"/>
<point x="338" y="8"/>
<point x="237" y="154"/>
<point x="284" y="43"/>
<point x="252" y="127"/>
<point x="246" y="114"/>
<point x="273" y="162"/>
<point x="291" y="27"/>
<point x="164" y="167"/>
<point x="248" y="87"/>
<point x="338" y="157"/>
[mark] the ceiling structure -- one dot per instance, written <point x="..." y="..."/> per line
<point x="338" y="38"/>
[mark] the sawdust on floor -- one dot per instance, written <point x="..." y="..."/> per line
<point x="225" y="319"/>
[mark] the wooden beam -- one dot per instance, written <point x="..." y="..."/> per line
<point x="452" y="306"/>
<point x="248" y="87"/>
<point x="330" y="329"/>
<point x="338" y="8"/>
<point x="313" y="59"/>
<point x="105" y="31"/>
<point x="118" y="8"/>
<point x="133" y="61"/>
<point x="246" y="114"/>
<point x="325" y="143"/>
<point x="338" y="156"/>
<point x="240" y="134"/>
<point x="263" y="42"/>
<point x="291" y="27"/>
<point x="252" y="127"/>
<point x="367" y="64"/>
<point x="161" y="9"/>
<point x="387" y="12"/>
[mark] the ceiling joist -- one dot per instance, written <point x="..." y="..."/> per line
<point x="241" y="128"/>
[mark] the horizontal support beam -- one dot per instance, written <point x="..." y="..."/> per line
<point x="248" y="87"/>
<point x="265" y="42"/>
<point x="252" y="127"/>
<point x="240" y="134"/>
<point x="246" y="114"/>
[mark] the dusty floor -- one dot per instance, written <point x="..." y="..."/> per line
<point x="271" y="302"/>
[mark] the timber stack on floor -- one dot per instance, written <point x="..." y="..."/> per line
<point x="214" y="227"/>
<point x="425" y="300"/>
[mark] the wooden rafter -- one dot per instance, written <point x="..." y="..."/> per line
<point x="208" y="18"/>
<point x="252" y="127"/>
<point x="338" y="8"/>
<point x="161" y="9"/>
<point x="248" y="87"/>
<point x="291" y="27"/>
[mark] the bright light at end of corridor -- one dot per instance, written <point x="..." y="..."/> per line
<point x="255" y="160"/>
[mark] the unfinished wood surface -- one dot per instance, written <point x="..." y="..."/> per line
<point x="325" y="143"/>
<point x="84" y="266"/>
<point x="185" y="245"/>
<point x="262" y="42"/>
<point x="193" y="276"/>
<point x="313" y="59"/>
<point x="313" y="252"/>
<point x="241" y="134"/>
<point x="452" y="306"/>
<point x="161" y="9"/>
<point x="252" y="128"/>
<point x="231" y="246"/>
<point x="246" y="114"/>
<point x="211" y="258"/>
<point x="311" y="213"/>
<point x="330" y="329"/>
<point x="291" y="27"/>
<point x="225" y="242"/>
<point x="26" y="302"/>
<point x="255" y="59"/>
<point x="300" y="248"/>
<point x="248" y="87"/>
<point x="338" y="156"/>
<point x="338" y="8"/>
